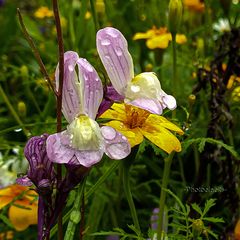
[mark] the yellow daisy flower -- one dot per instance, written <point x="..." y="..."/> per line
<point x="43" y="12"/>
<point x="136" y="123"/>
<point x="23" y="208"/>
<point x="194" y="5"/>
<point x="159" y="37"/>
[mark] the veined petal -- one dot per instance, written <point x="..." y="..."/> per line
<point x="161" y="41"/>
<point x="4" y="201"/>
<point x="90" y="87"/>
<point x="155" y="121"/>
<point x="58" y="149"/>
<point x="113" y="51"/>
<point x="117" y="112"/>
<point x="88" y="158"/>
<point x="134" y="135"/>
<point x="169" y="101"/>
<point x="162" y="138"/>
<point x="21" y="218"/>
<point x="148" y="104"/>
<point x="116" y="145"/>
<point x="71" y="99"/>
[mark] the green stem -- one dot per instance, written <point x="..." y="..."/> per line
<point x="166" y="171"/>
<point x="107" y="173"/>
<point x="95" y="17"/>
<point x="175" y="76"/>
<point x="128" y="193"/>
<point x="13" y="112"/>
<point x="75" y="216"/>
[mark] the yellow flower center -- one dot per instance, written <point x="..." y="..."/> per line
<point x="85" y="133"/>
<point x="135" y="117"/>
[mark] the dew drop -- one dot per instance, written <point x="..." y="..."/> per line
<point x="105" y="42"/>
<point x="135" y="88"/>
<point x="118" y="51"/>
<point x="108" y="133"/>
<point x="18" y="130"/>
<point x="70" y="68"/>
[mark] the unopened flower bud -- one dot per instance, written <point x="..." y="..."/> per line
<point x="198" y="227"/>
<point x="175" y="15"/>
<point x="149" y="67"/>
<point x="22" y="110"/>
<point x="24" y="71"/>
<point x="191" y="99"/>
<point x="75" y="216"/>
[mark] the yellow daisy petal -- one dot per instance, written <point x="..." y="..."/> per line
<point x="162" y="138"/>
<point x="117" y="112"/>
<point x="161" y="41"/>
<point x="21" y="218"/>
<point x="146" y="35"/>
<point x="134" y="135"/>
<point x="4" y="201"/>
<point x="156" y="120"/>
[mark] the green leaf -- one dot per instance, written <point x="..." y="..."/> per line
<point x="197" y="208"/>
<point x="209" y="203"/>
<point x="213" y="219"/>
<point x="6" y="221"/>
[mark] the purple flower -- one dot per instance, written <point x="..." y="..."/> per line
<point x="83" y="142"/>
<point x="110" y="95"/>
<point x="143" y="90"/>
<point x="40" y="172"/>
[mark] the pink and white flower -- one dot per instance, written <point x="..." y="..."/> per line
<point x="83" y="142"/>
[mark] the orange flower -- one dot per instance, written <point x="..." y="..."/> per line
<point x="237" y="230"/>
<point x="22" y="205"/>
<point x="194" y="5"/>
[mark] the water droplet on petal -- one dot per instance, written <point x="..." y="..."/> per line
<point x="105" y="42"/>
<point x="135" y="88"/>
<point x="71" y="68"/>
<point x="18" y="130"/>
<point x="118" y="150"/>
<point x="118" y="51"/>
<point x="108" y="133"/>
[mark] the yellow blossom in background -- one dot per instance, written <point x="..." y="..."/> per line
<point x="100" y="6"/>
<point x="23" y="205"/>
<point x="136" y="123"/>
<point x="194" y="5"/>
<point x="43" y="12"/>
<point x="236" y="94"/>
<point x="6" y="235"/>
<point x="88" y="15"/>
<point x="159" y="37"/>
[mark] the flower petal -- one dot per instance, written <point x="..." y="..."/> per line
<point x="155" y="120"/>
<point x="149" y="34"/>
<point x="160" y="136"/>
<point x="134" y="135"/>
<point x="71" y="100"/>
<point x="148" y="104"/>
<point x="113" y="51"/>
<point x="117" y="112"/>
<point x="21" y="218"/>
<point x="161" y="41"/>
<point x="89" y="158"/>
<point x="24" y="181"/>
<point x="57" y="148"/>
<point x="116" y="145"/>
<point x="91" y="88"/>
<point x="169" y="101"/>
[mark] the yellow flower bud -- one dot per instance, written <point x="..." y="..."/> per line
<point x="24" y="71"/>
<point x="198" y="226"/>
<point x="149" y="67"/>
<point x="191" y="99"/>
<point x="22" y="110"/>
<point x="175" y="15"/>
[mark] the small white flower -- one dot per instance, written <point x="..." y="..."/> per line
<point x="222" y="25"/>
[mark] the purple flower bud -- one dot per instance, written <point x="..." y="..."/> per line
<point x="41" y="171"/>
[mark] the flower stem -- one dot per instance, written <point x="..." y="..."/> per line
<point x="13" y="112"/>
<point x="175" y="75"/>
<point x="166" y="171"/>
<point x="128" y="193"/>
<point x="34" y="50"/>
<point x="59" y="97"/>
